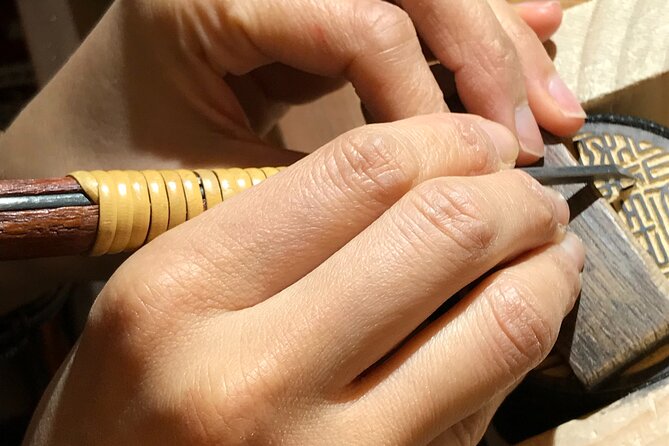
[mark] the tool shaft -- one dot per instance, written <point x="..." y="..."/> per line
<point x="55" y="217"/>
<point x="50" y="201"/>
<point x="551" y="176"/>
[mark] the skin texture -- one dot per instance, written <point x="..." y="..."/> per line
<point x="148" y="89"/>
<point x="290" y="313"/>
<point x="207" y="341"/>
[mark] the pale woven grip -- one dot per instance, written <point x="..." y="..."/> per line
<point x="137" y="206"/>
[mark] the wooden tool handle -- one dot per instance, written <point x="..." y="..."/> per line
<point x="108" y="212"/>
<point x="45" y="232"/>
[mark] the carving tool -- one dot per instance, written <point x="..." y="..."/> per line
<point x="551" y="175"/>
<point x="545" y="175"/>
<point x="108" y="212"/>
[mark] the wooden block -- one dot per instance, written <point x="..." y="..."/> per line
<point x="641" y="418"/>
<point x="623" y="312"/>
<point x="614" y="55"/>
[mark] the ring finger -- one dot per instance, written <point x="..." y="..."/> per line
<point x="441" y="236"/>
<point x="499" y="332"/>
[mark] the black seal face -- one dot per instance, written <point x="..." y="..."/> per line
<point x="551" y="394"/>
<point x="641" y="147"/>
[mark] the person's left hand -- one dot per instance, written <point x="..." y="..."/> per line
<point x="152" y="86"/>
<point x="483" y="59"/>
<point x="171" y="83"/>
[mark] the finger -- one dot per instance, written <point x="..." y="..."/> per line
<point x="553" y="104"/>
<point x="544" y="17"/>
<point x="471" y="430"/>
<point x="372" y="43"/>
<point x="440" y="237"/>
<point x="298" y="218"/>
<point x="467" y="39"/>
<point x="499" y="332"/>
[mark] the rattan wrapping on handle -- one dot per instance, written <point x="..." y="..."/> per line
<point x="138" y="206"/>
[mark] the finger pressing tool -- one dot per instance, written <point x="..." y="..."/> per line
<point x="107" y="212"/>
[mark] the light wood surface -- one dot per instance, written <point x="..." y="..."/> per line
<point x="615" y="56"/>
<point x="641" y="419"/>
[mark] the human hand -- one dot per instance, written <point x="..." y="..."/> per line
<point x="162" y="84"/>
<point x="290" y="313"/>
<point x="494" y="52"/>
<point x="170" y="83"/>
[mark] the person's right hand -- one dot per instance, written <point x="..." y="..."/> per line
<point x="290" y="314"/>
<point x="170" y="83"/>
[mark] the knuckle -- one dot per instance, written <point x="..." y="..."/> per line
<point x="117" y="312"/>
<point x="543" y="220"/>
<point x="544" y="215"/>
<point x="522" y="335"/>
<point x="385" y="25"/>
<point x="370" y="164"/>
<point x="457" y="213"/>
<point x="480" y="157"/>
<point x="117" y="325"/>
<point x="497" y="54"/>
<point x="470" y="430"/>
<point x="495" y="66"/>
<point x="522" y="36"/>
<point x="135" y="313"/>
<point x="492" y="53"/>
<point x="226" y="413"/>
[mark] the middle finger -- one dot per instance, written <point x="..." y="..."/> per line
<point x="299" y="218"/>
<point x="440" y="237"/>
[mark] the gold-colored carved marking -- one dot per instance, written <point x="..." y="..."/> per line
<point x="644" y="208"/>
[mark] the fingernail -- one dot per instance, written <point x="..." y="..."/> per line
<point x="560" y="205"/>
<point x="504" y="140"/>
<point x="565" y="99"/>
<point x="541" y="5"/>
<point x="573" y="246"/>
<point x="528" y="131"/>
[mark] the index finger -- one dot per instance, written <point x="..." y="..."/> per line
<point x="300" y="217"/>
<point x="371" y="43"/>
<point x="467" y="38"/>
